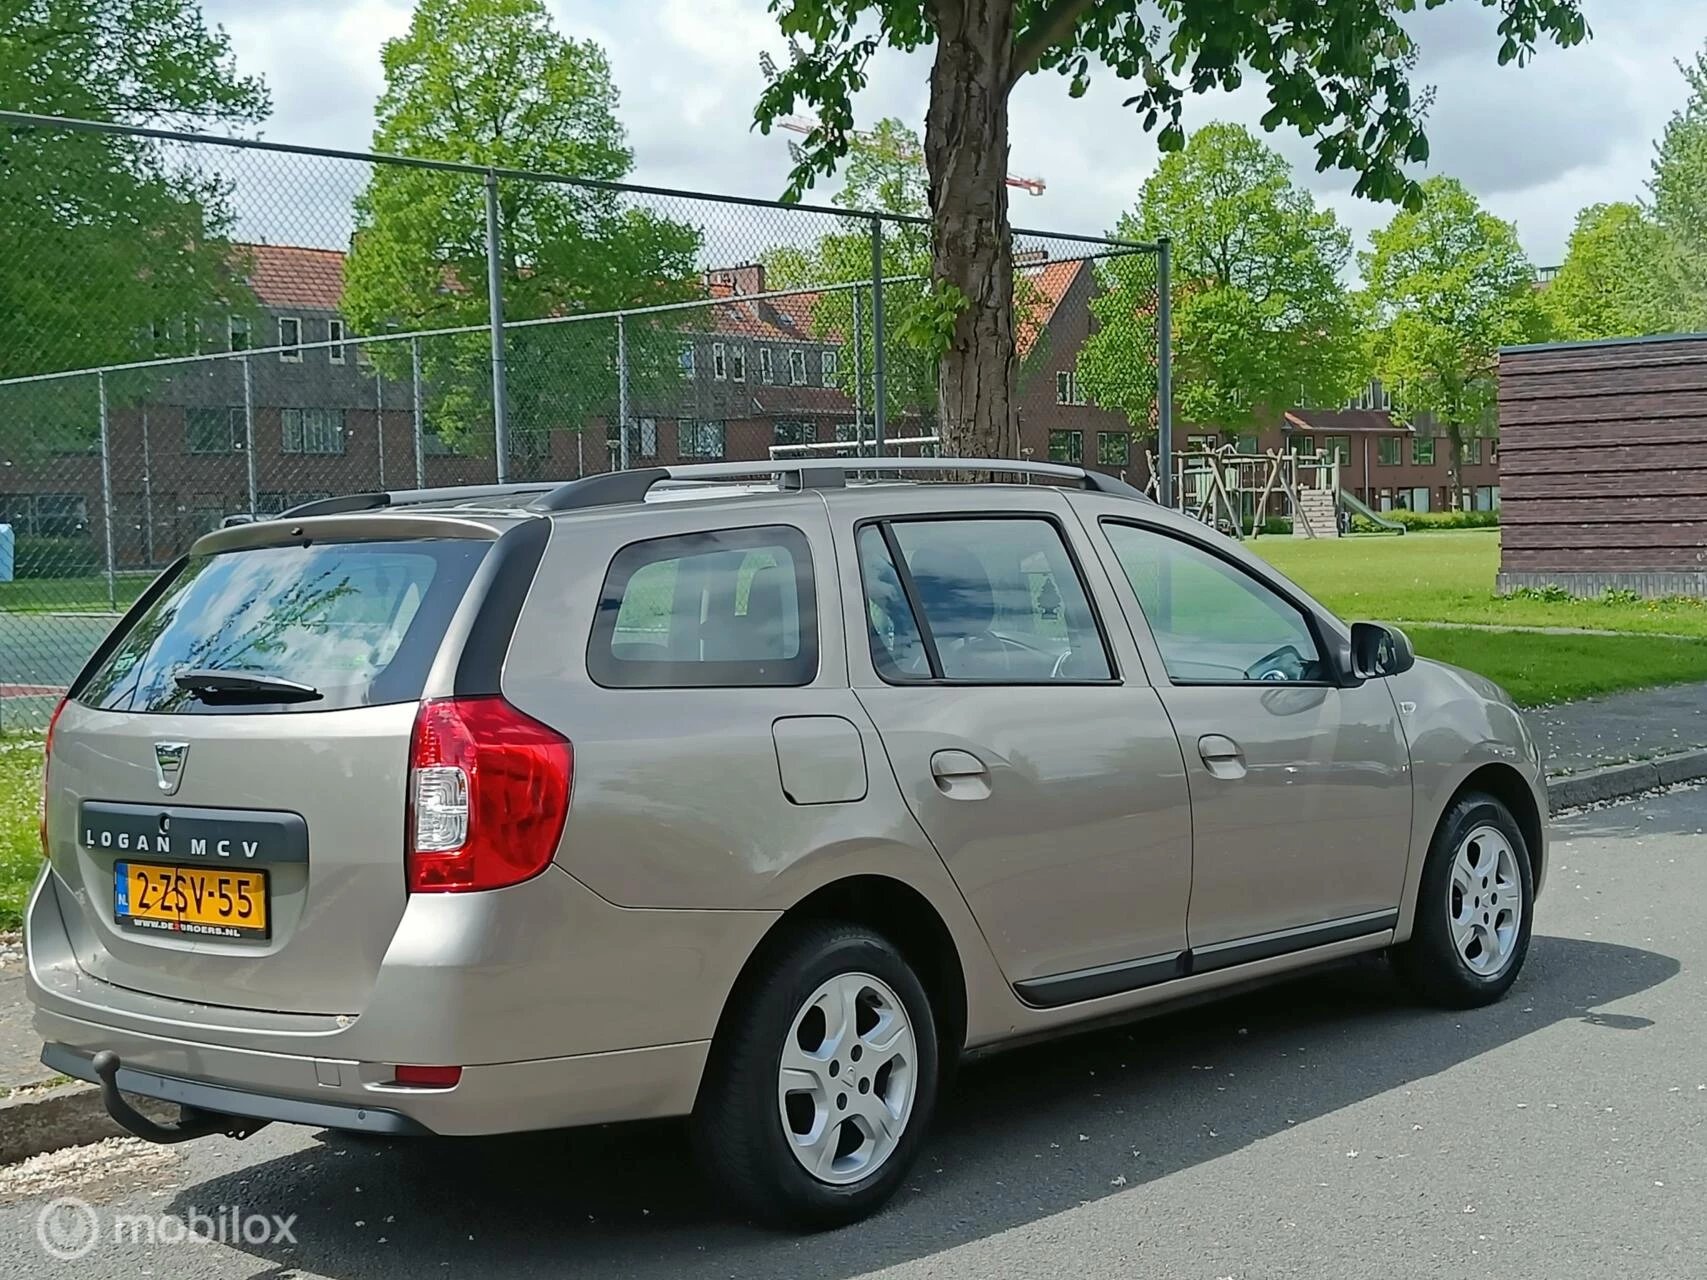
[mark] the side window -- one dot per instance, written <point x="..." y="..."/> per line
<point x="1214" y="623"/>
<point x="726" y="608"/>
<point x="990" y="600"/>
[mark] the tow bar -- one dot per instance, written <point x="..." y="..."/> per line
<point x="193" y="1122"/>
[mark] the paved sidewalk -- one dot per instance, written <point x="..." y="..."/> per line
<point x="1621" y="727"/>
<point x="20" y="1050"/>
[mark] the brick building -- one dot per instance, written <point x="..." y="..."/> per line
<point x="749" y="372"/>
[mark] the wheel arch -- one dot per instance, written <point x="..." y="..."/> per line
<point x="898" y="912"/>
<point x="1511" y="789"/>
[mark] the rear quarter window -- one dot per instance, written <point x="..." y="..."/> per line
<point x="360" y="622"/>
<point x="722" y="608"/>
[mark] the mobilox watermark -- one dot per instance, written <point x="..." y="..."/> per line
<point x="69" y="1228"/>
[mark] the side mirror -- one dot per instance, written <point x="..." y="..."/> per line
<point x="1378" y="650"/>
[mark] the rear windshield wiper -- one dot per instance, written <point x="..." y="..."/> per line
<point x="212" y="685"/>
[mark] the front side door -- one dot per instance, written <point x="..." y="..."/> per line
<point x="1053" y="787"/>
<point x="1300" y="786"/>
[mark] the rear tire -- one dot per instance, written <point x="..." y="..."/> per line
<point x="822" y="1080"/>
<point x="1475" y="907"/>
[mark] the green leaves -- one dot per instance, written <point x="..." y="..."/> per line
<point x="1447" y="286"/>
<point x="490" y="82"/>
<point x="110" y="246"/>
<point x="1262" y="320"/>
<point x="928" y="325"/>
<point x="1610" y="285"/>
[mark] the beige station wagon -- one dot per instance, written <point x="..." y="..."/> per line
<point x="756" y="793"/>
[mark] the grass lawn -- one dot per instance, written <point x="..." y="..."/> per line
<point x="20" y="840"/>
<point x="71" y="595"/>
<point x="1448" y="576"/>
<point x="1537" y="669"/>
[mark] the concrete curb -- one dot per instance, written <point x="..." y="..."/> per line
<point x="1618" y="781"/>
<point x="68" y="1115"/>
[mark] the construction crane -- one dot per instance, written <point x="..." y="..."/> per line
<point x="805" y="124"/>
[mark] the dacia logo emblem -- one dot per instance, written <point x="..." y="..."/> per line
<point x="169" y="760"/>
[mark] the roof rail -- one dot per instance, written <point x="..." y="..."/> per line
<point x="809" y="473"/>
<point x="377" y="499"/>
<point x="612" y="488"/>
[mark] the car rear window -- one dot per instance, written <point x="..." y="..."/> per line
<point x="724" y="608"/>
<point x="360" y="622"/>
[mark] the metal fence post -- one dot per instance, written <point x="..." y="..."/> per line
<point x="1164" y="372"/>
<point x="107" y="489"/>
<point x="148" y="493"/>
<point x="379" y="422"/>
<point x="622" y="391"/>
<point x="879" y="405"/>
<point x="415" y="383"/>
<point x="495" y="306"/>
<point x="249" y="425"/>
<point x="858" y="378"/>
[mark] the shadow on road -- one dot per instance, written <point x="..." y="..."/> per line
<point x="1186" y="1088"/>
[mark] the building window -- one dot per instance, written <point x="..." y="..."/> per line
<point x="767" y="369"/>
<point x="1201" y="444"/>
<point x="1473" y="453"/>
<point x="335" y="333"/>
<point x="827" y="366"/>
<point x="719" y="362"/>
<point x="1248" y="445"/>
<point x="213" y="430"/>
<point x="797" y="368"/>
<point x="1063" y="387"/>
<point x="793" y="432"/>
<point x="648" y="437"/>
<point x="686" y="360"/>
<point x="1067" y="446"/>
<point x="238" y="332"/>
<point x="1387" y="451"/>
<point x="1422" y="451"/>
<point x="290" y="335"/>
<point x="1301" y="444"/>
<point x="312" y="430"/>
<point x="738" y="363"/>
<point x="699" y="438"/>
<point x="1339" y="447"/>
<point x="1114" y="448"/>
<point x="364" y="357"/>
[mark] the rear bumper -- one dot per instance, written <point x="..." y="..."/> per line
<point x="509" y="1097"/>
<point x="529" y="1023"/>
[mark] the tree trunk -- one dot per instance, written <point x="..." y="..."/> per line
<point x="966" y="154"/>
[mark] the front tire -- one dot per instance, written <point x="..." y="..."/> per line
<point x="1474" y="908"/>
<point x="822" y="1081"/>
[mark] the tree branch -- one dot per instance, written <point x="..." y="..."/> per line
<point x="1052" y="26"/>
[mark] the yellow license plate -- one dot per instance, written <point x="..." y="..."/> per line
<point x="212" y="902"/>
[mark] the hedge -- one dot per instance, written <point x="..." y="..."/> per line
<point x="37" y="557"/>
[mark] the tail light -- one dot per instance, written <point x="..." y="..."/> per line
<point x="46" y="767"/>
<point x="426" y="1077"/>
<point x="488" y="795"/>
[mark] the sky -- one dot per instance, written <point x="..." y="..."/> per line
<point x="1535" y="143"/>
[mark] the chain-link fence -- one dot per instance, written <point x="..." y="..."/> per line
<point x="195" y="328"/>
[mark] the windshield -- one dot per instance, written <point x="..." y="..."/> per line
<point x="359" y="623"/>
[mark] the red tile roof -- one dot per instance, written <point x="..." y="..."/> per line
<point x="288" y="275"/>
<point x="1049" y="284"/>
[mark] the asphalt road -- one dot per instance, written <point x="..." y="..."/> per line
<point x="1321" y="1129"/>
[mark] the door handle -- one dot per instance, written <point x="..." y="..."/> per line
<point x="960" y="775"/>
<point x="1221" y="755"/>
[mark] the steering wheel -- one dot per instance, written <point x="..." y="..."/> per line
<point x="1284" y="663"/>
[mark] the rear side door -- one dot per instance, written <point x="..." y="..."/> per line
<point x="1024" y="737"/>
<point x="1300" y="783"/>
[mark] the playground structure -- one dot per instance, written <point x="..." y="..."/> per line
<point x="1240" y="492"/>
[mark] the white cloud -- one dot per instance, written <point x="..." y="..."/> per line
<point x="1535" y="143"/>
